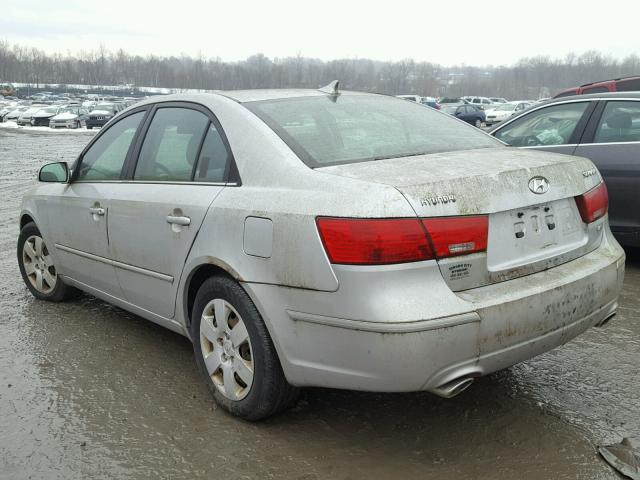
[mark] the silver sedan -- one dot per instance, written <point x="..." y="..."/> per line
<point x="326" y="238"/>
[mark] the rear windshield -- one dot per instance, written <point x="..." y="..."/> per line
<point x="356" y="128"/>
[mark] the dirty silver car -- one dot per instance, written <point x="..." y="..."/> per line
<point x="324" y="238"/>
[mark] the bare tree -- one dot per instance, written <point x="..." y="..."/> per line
<point x="531" y="77"/>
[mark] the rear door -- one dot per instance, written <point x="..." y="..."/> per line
<point x="612" y="142"/>
<point x="554" y="128"/>
<point x="182" y="165"/>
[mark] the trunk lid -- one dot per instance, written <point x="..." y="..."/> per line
<point x="528" y="232"/>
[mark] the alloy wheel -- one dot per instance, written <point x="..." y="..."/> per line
<point x="226" y="349"/>
<point x="38" y="265"/>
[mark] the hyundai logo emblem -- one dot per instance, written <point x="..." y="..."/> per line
<point x="539" y="185"/>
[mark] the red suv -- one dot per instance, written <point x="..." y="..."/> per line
<point x="625" y="84"/>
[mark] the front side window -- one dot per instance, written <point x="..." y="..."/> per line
<point x="355" y="128"/>
<point x="171" y="145"/>
<point x="105" y="158"/>
<point x="620" y="122"/>
<point x="551" y="125"/>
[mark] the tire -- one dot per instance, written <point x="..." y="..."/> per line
<point x="34" y="265"/>
<point x="89" y="128"/>
<point x="478" y="123"/>
<point x="217" y="353"/>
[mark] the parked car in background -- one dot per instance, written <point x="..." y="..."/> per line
<point x="295" y="253"/>
<point x="70" y="117"/>
<point x="42" y="117"/>
<point x="481" y="102"/>
<point x="24" y="119"/>
<point x="101" y="114"/>
<point x="623" y="84"/>
<point x="456" y="100"/>
<point x="4" y="109"/>
<point x="15" y="113"/>
<point x="505" y="110"/>
<point x="602" y="127"/>
<point x="466" y="112"/>
<point x="429" y="101"/>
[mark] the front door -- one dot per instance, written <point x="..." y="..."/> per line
<point x="78" y="216"/>
<point x="156" y="215"/>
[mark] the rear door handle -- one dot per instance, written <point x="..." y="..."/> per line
<point x="183" y="221"/>
<point x="96" y="211"/>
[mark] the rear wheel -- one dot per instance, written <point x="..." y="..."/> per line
<point x="235" y="353"/>
<point x="38" y="271"/>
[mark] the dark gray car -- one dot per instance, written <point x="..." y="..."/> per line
<point x="603" y="127"/>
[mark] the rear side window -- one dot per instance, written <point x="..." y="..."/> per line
<point x="214" y="158"/>
<point x="620" y="122"/>
<point x="551" y="125"/>
<point x="105" y="158"/>
<point x="171" y="145"/>
<point x="631" y="85"/>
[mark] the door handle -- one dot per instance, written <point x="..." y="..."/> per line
<point x="183" y="221"/>
<point x="96" y="211"/>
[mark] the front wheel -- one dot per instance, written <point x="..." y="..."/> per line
<point x="38" y="271"/>
<point x="234" y="352"/>
<point x="478" y="123"/>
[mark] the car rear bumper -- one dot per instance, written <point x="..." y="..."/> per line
<point x="350" y="339"/>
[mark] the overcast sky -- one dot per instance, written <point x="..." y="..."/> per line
<point x="448" y="32"/>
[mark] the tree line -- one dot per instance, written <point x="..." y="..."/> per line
<point x="529" y="78"/>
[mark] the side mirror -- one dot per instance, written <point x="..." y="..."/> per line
<point x="54" y="172"/>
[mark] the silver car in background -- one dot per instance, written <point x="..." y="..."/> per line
<point x="325" y="238"/>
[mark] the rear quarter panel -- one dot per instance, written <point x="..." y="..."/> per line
<point x="276" y="185"/>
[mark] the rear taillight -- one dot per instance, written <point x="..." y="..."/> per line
<point x="374" y="242"/>
<point x="593" y="204"/>
<point x="453" y="236"/>
<point x="385" y="241"/>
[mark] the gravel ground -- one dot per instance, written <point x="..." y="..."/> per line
<point x="90" y="391"/>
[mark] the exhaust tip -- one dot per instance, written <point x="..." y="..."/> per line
<point x="606" y="320"/>
<point x="454" y="387"/>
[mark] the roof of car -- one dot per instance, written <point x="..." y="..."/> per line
<point x="604" y="95"/>
<point x="242" y="96"/>
<point x="628" y="77"/>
